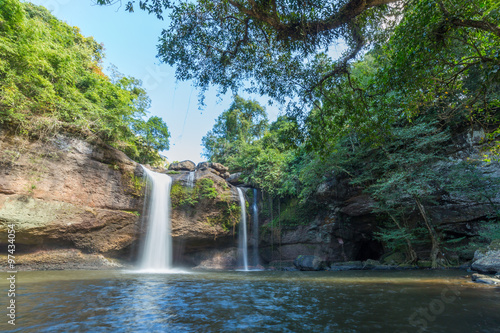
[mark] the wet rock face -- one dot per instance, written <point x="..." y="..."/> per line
<point x="67" y="193"/>
<point x="225" y="258"/>
<point x="205" y="217"/>
<point x="329" y="237"/>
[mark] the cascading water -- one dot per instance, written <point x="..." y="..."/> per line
<point x="242" y="237"/>
<point x="156" y="254"/>
<point x="190" y="179"/>
<point x="255" y="230"/>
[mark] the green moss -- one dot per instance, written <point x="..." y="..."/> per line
<point x="205" y="189"/>
<point x="228" y="217"/>
<point x="172" y="172"/>
<point x="134" y="185"/>
<point x="291" y="213"/>
<point x="133" y="212"/>
<point x="424" y="264"/>
<point x="181" y="196"/>
<point x="206" y="192"/>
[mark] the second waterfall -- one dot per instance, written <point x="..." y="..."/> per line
<point x="242" y="237"/>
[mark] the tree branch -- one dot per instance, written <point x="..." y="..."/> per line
<point x="341" y="67"/>
<point x="299" y="31"/>
<point x="458" y="22"/>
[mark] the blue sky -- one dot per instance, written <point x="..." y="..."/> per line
<point x="130" y="41"/>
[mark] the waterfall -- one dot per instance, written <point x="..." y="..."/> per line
<point x="190" y="179"/>
<point x="255" y="230"/>
<point x="242" y="237"/>
<point x="157" y="251"/>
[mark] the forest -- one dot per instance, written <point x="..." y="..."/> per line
<point x="370" y="202"/>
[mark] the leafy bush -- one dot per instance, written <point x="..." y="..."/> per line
<point x="205" y="189"/>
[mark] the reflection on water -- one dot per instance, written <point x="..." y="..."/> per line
<point x="107" y="301"/>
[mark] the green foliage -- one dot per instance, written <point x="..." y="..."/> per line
<point x="134" y="184"/>
<point x="228" y="218"/>
<point x="491" y="231"/>
<point x="290" y="213"/>
<point x="205" y="193"/>
<point x="274" y="48"/>
<point x="384" y="123"/>
<point x="51" y="81"/>
<point x="458" y="51"/>
<point x="182" y="196"/>
<point x="205" y="189"/>
<point x="155" y="133"/>
<point x="243" y="123"/>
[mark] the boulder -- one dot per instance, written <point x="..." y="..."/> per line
<point x="203" y="165"/>
<point x="215" y="172"/>
<point x="310" y="263"/>
<point x="371" y="264"/>
<point x="487" y="262"/>
<point x="235" y="179"/>
<point x="219" y="167"/>
<point x="346" y="266"/>
<point x="182" y="166"/>
<point x="216" y="166"/>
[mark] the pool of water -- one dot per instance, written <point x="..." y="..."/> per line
<point x="362" y="301"/>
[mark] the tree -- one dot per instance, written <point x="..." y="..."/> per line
<point x="154" y="133"/>
<point x="278" y="48"/>
<point x="243" y="123"/>
<point x="454" y="67"/>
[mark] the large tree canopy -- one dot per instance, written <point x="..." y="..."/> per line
<point x="278" y="48"/>
<point x="287" y="49"/>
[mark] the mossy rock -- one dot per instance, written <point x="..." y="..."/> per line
<point x="495" y="245"/>
<point x="394" y="258"/>
<point x="424" y="263"/>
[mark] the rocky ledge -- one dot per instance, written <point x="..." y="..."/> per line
<point x="65" y="194"/>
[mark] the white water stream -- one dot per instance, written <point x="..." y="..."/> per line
<point x="156" y="254"/>
<point x="242" y="238"/>
<point x="255" y="230"/>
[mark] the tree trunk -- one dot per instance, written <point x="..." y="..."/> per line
<point x="432" y="233"/>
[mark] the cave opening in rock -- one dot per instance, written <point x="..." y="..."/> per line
<point x="369" y="249"/>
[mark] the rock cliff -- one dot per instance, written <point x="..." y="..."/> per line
<point x="78" y="205"/>
<point x="342" y="223"/>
